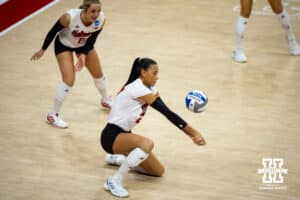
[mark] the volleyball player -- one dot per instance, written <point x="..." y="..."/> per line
<point x="128" y="109"/>
<point x="77" y="31"/>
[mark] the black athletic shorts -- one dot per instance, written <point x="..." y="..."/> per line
<point x="60" y="47"/>
<point x="108" y="136"/>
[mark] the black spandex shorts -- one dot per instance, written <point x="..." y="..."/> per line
<point x="60" y="47"/>
<point x="108" y="136"/>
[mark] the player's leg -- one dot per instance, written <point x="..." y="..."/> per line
<point x="151" y="166"/>
<point x="66" y="66"/>
<point x="137" y="148"/>
<point x="284" y="19"/>
<point x="93" y="64"/>
<point x="241" y="25"/>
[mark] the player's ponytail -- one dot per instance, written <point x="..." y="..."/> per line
<point x="87" y="3"/>
<point x="137" y="66"/>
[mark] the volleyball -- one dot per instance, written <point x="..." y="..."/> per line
<point x="196" y="101"/>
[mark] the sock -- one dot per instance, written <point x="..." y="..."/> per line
<point x="285" y="23"/>
<point x="61" y="92"/>
<point x="134" y="159"/>
<point x="101" y="85"/>
<point x="241" y="26"/>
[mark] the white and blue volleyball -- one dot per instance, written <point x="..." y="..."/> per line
<point x="196" y="101"/>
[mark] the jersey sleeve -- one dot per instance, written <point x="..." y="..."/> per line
<point x="138" y="89"/>
<point x="154" y="90"/>
<point x="72" y="13"/>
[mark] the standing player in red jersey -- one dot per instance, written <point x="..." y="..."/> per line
<point x="77" y="32"/>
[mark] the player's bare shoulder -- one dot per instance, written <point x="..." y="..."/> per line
<point x="65" y="19"/>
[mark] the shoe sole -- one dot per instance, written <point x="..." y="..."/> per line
<point x="295" y="54"/>
<point x="55" y="126"/>
<point x="240" y="61"/>
<point x="107" y="189"/>
<point x="105" y="186"/>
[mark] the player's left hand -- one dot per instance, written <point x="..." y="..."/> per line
<point x="194" y="135"/>
<point x="80" y="62"/>
<point x="198" y="139"/>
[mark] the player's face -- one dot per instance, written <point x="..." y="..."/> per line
<point x="150" y="76"/>
<point x="92" y="13"/>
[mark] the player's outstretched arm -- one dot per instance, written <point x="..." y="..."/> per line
<point x="157" y="103"/>
<point x="63" y="21"/>
<point x="194" y="135"/>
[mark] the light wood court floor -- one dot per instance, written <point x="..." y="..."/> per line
<point x="253" y="110"/>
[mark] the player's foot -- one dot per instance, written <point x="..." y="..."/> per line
<point x="106" y="103"/>
<point x="55" y="120"/>
<point x="115" y="159"/>
<point x="294" y="48"/>
<point x="114" y="185"/>
<point x="239" y="56"/>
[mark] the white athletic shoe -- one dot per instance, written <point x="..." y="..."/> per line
<point x="114" y="185"/>
<point x="294" y="48"/>
<point x="55" y="120"/>
<point x="115" y="159"/>
<point x="239" y="56"/>
<point x="106" y="103"/>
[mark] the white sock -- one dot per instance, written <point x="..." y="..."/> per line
<point x="134" y="159"/>
<point x="241" y="26"/>
<point x="61" y="92"/>
<point x="101" y="85"/>
<point x="286" y="24"/>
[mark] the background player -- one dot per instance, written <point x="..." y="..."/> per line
<point x="241" y="24"/>
<point x="77" y="31"/>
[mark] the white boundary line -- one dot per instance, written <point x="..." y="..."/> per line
<point x="28" y="17"/>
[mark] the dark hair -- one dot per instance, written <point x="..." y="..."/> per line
<point x="137" y="66"/>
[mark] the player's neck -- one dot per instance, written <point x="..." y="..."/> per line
<point x="145" y="83"/>
<point x="83" y="19"/>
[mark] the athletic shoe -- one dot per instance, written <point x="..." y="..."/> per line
<point x="115" y="159"/>
<point x="294" y="48"/>
<point x="55" y="120"/>
<point x="106" y="103"/>
<point x="114" y="185"/>
<point x="239" y="56"/>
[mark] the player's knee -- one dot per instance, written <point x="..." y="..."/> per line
<point x="160" y="172"/>
<point x="147" y="145"/>
<point x="278" y="10"/>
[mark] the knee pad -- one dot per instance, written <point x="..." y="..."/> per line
<point x="136" y="157"/>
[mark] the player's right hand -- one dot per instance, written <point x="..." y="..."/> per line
<point x="37" y="55"/>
